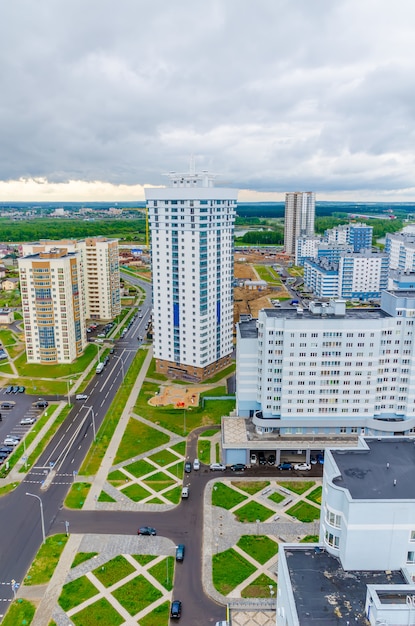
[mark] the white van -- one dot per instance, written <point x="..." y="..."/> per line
<point x="185" y="492"/>
<point x="99" y="369"/>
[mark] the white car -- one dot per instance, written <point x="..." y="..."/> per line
<point x="253" y="459"/>
<point x="11" y="441"/>
<point x="218" y="467"/>
<point x="302" y="466"/>
<point x="196" y="464"/>
<point x="26" y="421"/>
<point x="81" y="396"/>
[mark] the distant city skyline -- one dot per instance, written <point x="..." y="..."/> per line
<point x="274" y="96"/>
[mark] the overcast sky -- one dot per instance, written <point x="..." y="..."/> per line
<point x="99" y="98"/>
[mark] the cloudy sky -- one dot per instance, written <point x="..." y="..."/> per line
<point x="99" y="98"/>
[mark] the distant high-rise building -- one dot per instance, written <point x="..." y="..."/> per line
<point x="299" y="217"/>
<point x="52" y="304"/>
<point x="100" y="272"/>
<point x="192" y="250"/>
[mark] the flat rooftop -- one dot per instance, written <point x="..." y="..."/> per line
<point x="370" y="474"/>
<point x="248" y="329"/>
<point x="353" y="314"/>
<point x="325" y="594"/>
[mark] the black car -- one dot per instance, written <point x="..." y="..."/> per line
<point x="180" y="552"/>
<point x="7" y="405"/>
<point x="42" y="404"/>
<point x="106" y="360"/>
<point x="176" y="609"/>
<point x="238" y="467"/>
<point x="271" y="459"/>
<point x="6" y="449"/>
<point x="146" y="530"/>
<point x="187" y="467"/>
<point x="262" y="459"/>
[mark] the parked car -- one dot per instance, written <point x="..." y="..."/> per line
<point x="320" y="459"/>
<point x="11" y="441"/>
<point x="271" y="459"/>
<point x="6" y="450"/>
<point x="285" y="466"/>
<point x="196" y="464"/>
<point x="15" y="389"/>
<point x="81" y="396"/>
<point x="313" y="460"/>
<point x="218" y="467"/>
<point x="22" y="389"/>
<point x="42" y="404"/>
<point x="253" y="459"/>
<point x="27" y="421"/>
<point x="185" y="492"/>
<point x="7" y="405"/>
<point x="262" y="459"/>
<point x="302" y="466"/>
<point x="9" y="389"/>
<point x="238" y="467"/>
<point x="180" y="552"/>
<point x="112" y="351"/>
<point x="176" y="609"/>
<point x="187" y="467"/>
<point x="146" y="530"/>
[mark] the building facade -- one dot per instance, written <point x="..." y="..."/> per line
<point x="100" y="273"/>
<point x="192" y="252"/>
<point x="358" y="235"/>
<point x="401" y="250"/>
<point x="52" y="304"/>
<point x="299" y="217"/>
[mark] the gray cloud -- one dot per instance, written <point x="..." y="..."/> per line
<point x="274" y="95"/>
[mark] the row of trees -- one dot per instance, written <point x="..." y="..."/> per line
<point x="32" y="230"/>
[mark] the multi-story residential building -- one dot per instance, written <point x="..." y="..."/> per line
<point x="358" y="235"/>
<point x="299" y="217"/>
<point x="306" y="248"/>
<point x="332" y="251"/>
<point x="52" y="304"/>
<point x="322" y="277"/>
<point x="100" y="273"/>
<point x="401" y="250"/>
<point x="363" y="570"/>
<point x="192" y="248"/>
<point x="307" y="378"/>
<point x="357" y="275"/>
<point x="363" y="275"/>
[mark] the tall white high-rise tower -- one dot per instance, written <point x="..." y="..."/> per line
<point x="192" y="250"/>
<point x="300" y="209"/>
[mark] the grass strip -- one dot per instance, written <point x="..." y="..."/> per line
<point x="76" y="592"/>
<point x="224" y="496"/>
<point x="259" y="547"/>
<point x="20" y="612"/>
<point x="252" y="512"/>
<point x="230" y="569"/>
<point x="76" y="496"/>
<point x="297" y="486"/>
<point x="46" y="560"/>
<point x="94" y="458"/>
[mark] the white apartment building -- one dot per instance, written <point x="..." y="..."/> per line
<point x="330" y="370"/>
<point x="100" y="272"/>
<point x="401" y="250"/>
<point x="306" y="248"/>
<point x="363" y="569"/>
<point x="299" y="217"/>
<point x="52" y="304"/>
<point x="192" y="250"/>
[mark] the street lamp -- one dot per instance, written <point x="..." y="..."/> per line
<point x="93" y="419"/>
<point x="68" y="384"/>
<point x="41" y="513"/>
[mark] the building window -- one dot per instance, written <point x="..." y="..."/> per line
<point x="410" y="557"/>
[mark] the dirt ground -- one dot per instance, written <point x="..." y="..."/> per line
<point x="250" y="301"/>
<point x="178" y="395"/>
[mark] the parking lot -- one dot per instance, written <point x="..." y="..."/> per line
<point x="18" y="413"/>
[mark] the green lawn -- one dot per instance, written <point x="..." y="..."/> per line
<point x="260" y="588"/>
<point x="114" y="570"/>
<point x="97" y="614"/>
<point x="81" y="557"/>
<point x="143" y="559"/>
<point x="173" y="495"/>
<point x="229" y="569"/>
<point x="315" y="495"/>
<point x="163" y="572"/>
<point x="163" y="457"/>
<point x="259" y="547"/>
<point x="203" y="451"/>
<point x="297" y="486"/>
<point x="304" y="512"/>
<point x="135" y="595"/>
<point x="105" y="497"/>
<point x="20" y="612"/>
<point x="137" y="439"/>
<point x="118" y="478"/>
<point x="46" y="560"/>
<point x="76" y="495"/>
<point x="224" y="496"/>
<point x="252" y="512"/>
<point x="158" y="481"/>
<point x="276" y="497"/>
<point x="310" y="539"/>
<point x="158" y="617"/>
<point x="76" y="592"/>
<point x="252" y="487"/>
<point x="136" y="492"/>
<point x="137" y="469"/>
